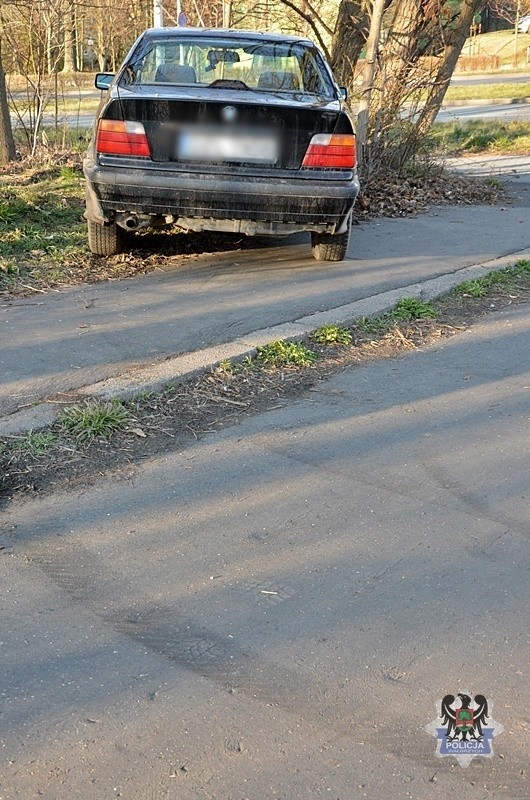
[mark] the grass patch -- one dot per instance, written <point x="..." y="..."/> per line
<point x="282" y="353"/>
<point x="31" y="444"/>
<point x="40" y="223"/>
<point x="505" y="278"/>
<point x="409" y="308"/>
<point x="475" y="136"/>
<point x="94" y="419"/>
<point x="487" y="91"/>
<point x="68" y="139"/>
<point x="332" y="334"/>
<point x="473" y="288"/>
<point x="498" y="43"/>
<point x="66" y="104"/>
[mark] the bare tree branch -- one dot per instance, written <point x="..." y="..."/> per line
<point x="312" y="24"/>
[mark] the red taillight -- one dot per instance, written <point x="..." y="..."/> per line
<point x="120" y="138"/>
<point x="331" y="151"/>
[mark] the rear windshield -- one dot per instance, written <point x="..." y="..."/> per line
<point x="276" y="67"/>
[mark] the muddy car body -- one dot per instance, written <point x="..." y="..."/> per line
<point x="222" y="131"/>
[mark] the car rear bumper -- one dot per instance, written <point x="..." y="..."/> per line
<point x="253" y="204"/>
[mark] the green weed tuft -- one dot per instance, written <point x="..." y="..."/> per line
<point x="282" y="353"/>
<point x="33" y="443"/>
<point x="226" y="365"/>
<point x="332" y="334"/>
<point x="409" y="309"/>
<point x="506" y="278"/>
<point x="473" y="288"/>
<point x="522" y="268"/>
<point x="371" y="325"/>
<point x="494" y="182"/>
<point x="94" y="419"/>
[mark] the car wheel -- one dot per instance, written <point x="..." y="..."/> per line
<point x="105" y="240"/>
<point x="330" y="246"/>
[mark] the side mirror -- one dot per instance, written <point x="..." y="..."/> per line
<point x="103" y="80"/>
<point x="343" y="93"/>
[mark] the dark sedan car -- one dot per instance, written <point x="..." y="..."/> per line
<point x="222" y="130"/>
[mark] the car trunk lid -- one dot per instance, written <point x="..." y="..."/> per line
<point x="240" y="128"/>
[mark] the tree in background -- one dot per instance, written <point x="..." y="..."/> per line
<point x="510" y="10"/>
<point x="69" y="31"/>
<point x="411" y="48"/>
<point x="351" y="31"/>
<point x="421" y="48"/>
<point x="7" y="145"/>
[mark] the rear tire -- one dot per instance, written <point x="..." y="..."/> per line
<point x="105" y="240"/>
<point x="330" y="246"/>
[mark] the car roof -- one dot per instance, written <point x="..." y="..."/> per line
<point x="223" y="33"/>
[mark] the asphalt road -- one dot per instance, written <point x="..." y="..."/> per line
<point x="463" y="79"/>
<point x="502" y="111"/>
<point x="272" y="613"/>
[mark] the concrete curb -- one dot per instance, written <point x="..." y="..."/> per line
<point x="181" y="367"/>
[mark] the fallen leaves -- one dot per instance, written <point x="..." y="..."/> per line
<point x="391" y="195"/>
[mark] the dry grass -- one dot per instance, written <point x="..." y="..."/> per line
<point x="500" y="44"/>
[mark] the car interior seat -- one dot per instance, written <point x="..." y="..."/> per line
<point x="278" y="81"/>
<point x="175" y="73"/>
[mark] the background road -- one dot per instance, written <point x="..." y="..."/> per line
<point x="464" y="79"/>
<point x="77" y="336"/>
<point x="511" y="111"/>
<point x="273" y="613"/>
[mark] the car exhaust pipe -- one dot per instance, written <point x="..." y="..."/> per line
<point x="133" y="222"/>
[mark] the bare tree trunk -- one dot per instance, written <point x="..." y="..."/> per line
<point x="400" y="53"/>
<point x="70" y="60"/>
<point x="227" y="13"/>
<point x="351" y="31"/>
<point x="79" y="38"/>
<point x="7" y="144"/>
<point x="49" y="50"/>
<point x="455" y="41"/>
<point x="370" y="65"/>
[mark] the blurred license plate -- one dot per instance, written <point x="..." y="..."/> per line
<point x="233" y="146"/>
